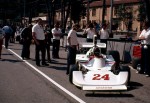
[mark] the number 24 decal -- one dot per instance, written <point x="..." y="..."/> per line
<point x="99" y="77"/>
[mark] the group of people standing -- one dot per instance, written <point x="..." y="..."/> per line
<point x="91" y="30"/>
<point x="102" y="33"/>
<point x="42" y="37"/>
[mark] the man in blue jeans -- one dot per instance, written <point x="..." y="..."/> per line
<point x="72" y="47"/>
<point x="8" y="32"/>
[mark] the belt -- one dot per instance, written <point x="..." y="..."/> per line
<point x="39" y="40"/>
<point x="74" y="46"/>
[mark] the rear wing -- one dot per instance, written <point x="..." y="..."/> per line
<point x="90" y="45"/>
<point x="94" y="44"/>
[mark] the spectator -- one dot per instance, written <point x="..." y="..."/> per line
<point x="48" y="36"/>
<point x="56" y="31"/>
<point x="90" y="31"/>
<point x="8" y="32"/>
<point x="26" y="35"/>
<point x="72" y="46"/>
<point x="104" y="35"/>
<point x="62" y="37"/>
<point x="145" y="37"/>
<point x="39" y="38"/>
<point x="96" y="27"/>
<point x="12" y="38"/>
<point x="67" y="31"/>
<point x="2" y="33"/>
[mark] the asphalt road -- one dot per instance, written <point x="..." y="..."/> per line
<point x="24" y="82"/>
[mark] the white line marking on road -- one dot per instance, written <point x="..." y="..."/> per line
<point x="51" y="80"/>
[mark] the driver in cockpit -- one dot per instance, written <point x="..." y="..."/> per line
<point x="96" y="52"/>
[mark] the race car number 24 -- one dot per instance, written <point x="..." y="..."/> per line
<point x="99" y="77"/>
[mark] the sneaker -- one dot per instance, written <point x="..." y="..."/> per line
<point x="28" y="58"/>
<point x="49" y="61"/>
<point x="38" y="65"/>
<point x="45" y="64"/>
<point x="22" y="58"/>
<point x="57" y="57"/>
<point x="54" y="57"/>
<point x="147" y="75"/>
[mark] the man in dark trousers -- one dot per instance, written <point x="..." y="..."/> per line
<point x="145" y="37"/>
<point x="56" y="31"/>
<point x="48" y="36"/>
<point x="72" y="46"/>
<point x="26" y="35"/>
<point x="39" y="38"/>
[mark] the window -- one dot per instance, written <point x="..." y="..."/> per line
<point x="93" y="12"/>
<point x="116" y="10"/>
<point x="105" y="11"/>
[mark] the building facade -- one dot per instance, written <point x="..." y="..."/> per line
<point x="96" y="10"/>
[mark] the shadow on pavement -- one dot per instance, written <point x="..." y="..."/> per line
<point x="108" y="95"/>
<point x="55" y="62"/>
<point x="134" y="85"/>
<point x="15" y="49"/>
<point x="6" y="54"/>
<point x="11" y="60"/>
<point x="57" y="68"/>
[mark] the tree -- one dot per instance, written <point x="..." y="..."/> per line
<point x="124" y="13"/>
<point x="147" y="6"/>
<point x="73" y="8"/>
<point x="77" y="10"/>
<point x="141" y="17"/>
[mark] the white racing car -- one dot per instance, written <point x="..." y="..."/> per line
<point x="97" y="72"/>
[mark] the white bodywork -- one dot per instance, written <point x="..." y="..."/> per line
<point x="98" y="74"/>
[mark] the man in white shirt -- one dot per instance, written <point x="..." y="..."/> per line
<point x="72" y="46"/>
<point x="56" y="31"/>
<point x="104" y="35"/>
<point x="90" y="31"/>
<point x="39" y="38"/>
<point x="145" y="37"/>
<point x="104" y="32"/>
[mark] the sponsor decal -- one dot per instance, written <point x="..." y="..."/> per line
<point x="104" y="88"/>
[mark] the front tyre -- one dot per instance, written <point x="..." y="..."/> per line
<point x="115" y="55"/>
<point x="126" y="69"/>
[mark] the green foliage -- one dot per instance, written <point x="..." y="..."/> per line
<point x="77" y="10"/>
<point x="125" y="14"/>
<point x="141" y="12"/>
